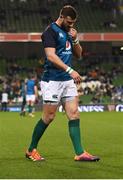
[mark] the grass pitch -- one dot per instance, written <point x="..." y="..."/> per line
<point x="102" y="135"/>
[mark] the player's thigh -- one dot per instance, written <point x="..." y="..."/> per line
<point x="71" y="108"/>
<point x="33" y="98"/>
<point x="49" y="111"/>
<point x="28" y="99"/>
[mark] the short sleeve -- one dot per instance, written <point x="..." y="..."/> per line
<point x="49" y="38"/>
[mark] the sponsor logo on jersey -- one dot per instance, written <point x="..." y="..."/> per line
<point x="68" y="45"/>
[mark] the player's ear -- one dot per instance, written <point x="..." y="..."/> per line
<point x="61" y="18"/>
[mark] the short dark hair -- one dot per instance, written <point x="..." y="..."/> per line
<point x="68" y="10"/>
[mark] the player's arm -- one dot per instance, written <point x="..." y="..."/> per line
<point x="52" y="56"/>
<point x="77" y="49"/>
<point x="49" y="43"/>
<point x="36" y="91"/>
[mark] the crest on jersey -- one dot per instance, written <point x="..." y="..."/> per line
<point x="68" y="45"/>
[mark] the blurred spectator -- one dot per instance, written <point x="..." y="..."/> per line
<point x="110" y="24"/>
<point x="23" y="95"/>
<point x="4" y="101"/>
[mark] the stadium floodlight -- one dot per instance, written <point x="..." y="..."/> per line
<point x="121" y="48"/>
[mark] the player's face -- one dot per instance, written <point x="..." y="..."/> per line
<point x="68" y="23"/>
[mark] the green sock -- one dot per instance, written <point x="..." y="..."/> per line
<point x="37" y="133"/>
<point x="29" y="108"/>
<point x="74" y="132"/>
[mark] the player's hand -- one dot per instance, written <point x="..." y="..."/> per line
<point x="76" y="77"/>
<point x="73" y="33"/>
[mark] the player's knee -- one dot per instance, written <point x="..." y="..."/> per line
<point x="74" y="114"/>
<point x="49" y="118"/>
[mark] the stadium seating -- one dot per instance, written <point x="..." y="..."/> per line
<point x="35" y="15"/>
<point x="20" y="68"/>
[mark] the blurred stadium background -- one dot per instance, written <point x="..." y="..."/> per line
<point x="100" y="30"/>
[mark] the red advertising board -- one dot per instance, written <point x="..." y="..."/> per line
<point x="36" y="37"/>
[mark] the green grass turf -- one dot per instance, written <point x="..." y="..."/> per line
<point x="102" y="134"/>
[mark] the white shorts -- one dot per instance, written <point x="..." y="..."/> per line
<point x="55" y="91"/>
<point x="30" y="97"/>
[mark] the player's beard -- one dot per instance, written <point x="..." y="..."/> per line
<point x="65" y="27"/>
